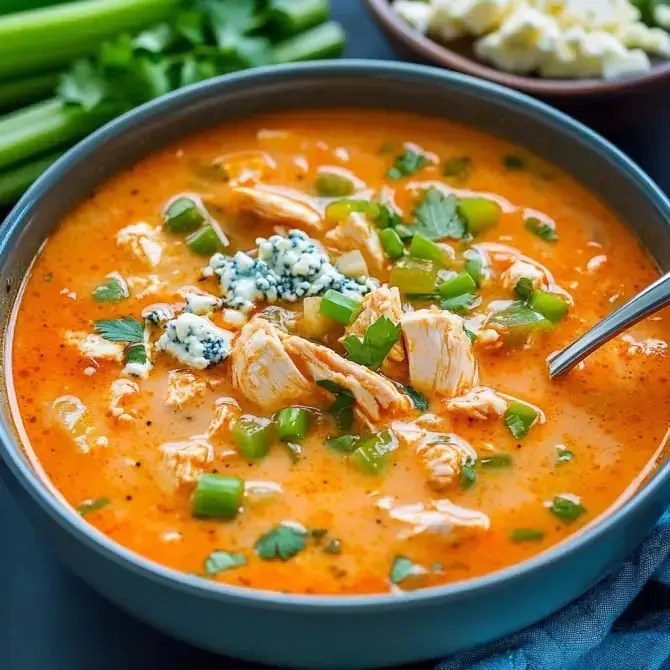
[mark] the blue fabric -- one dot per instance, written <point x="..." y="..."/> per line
<point x="600" y="631"/>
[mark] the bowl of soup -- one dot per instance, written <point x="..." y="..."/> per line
<point x="275" y="362"/>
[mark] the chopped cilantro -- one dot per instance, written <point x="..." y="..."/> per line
<point x="125" y="329"/>
<point x="407" y="164"/>
<point x="136" y="353"/>
<point x="543" y="230"/>
<point x="220" y="561"/>
<point x="459" y="303"/>
<point x="113" y="290"/>
<point x="402" y="568"/>
<point x="419" y="399"/>
<point x="282" y="542"/>
<point x="524" y="289"/>
<point x="563" y="454"/>
<point x="457" y="167"/>
<point x="565" y="509"/>
<point x="526" y="535"/>
<point x="470" y="334"/>
<point x="92" y="505"/>
<point x="437" y="217"/>
<point x="379" y="339"/>
<point x="343" y="405"/>
<point x="468" y="474"/>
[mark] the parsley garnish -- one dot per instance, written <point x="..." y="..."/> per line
<point x="136" y="353"/>
<point x="402" y="568"/>
<point x="220" y="561"/>
<point x="524" y="289"/>
<point x="379" y="339"/>
<point x="563" y="454"/>
<point x="468" y="474"/>
<point x="459" y="303"/>
<point x="92" y="505"/>
<point x="282" y="542"/>
<point x="542" y="229"/>
<point x="419" y="399"/>
<point x="125" y="329"/>
<point x="457" y="167"/>
<point x="526" y="535"/>
<point x="566" y="510"/>
<point x="111" y="291"/>
<point x="408" y="163"/>
<point x="437" y="217"/>
<point x="343" y="405"/>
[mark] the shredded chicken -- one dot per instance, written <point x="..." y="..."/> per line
<point x="94" y="346"/>
<point x="140" y="238"/>
<point x="374" y="395"/>
<point x="183" y="386"/>
<point x="119" y="392"/>
<point x="276" y="205"/>
<point x="225" y="412"/>
<point x="478" y="403"/>
<point x="489" y="339"/>
<point x="440" y="353"/>
<point x="262" y="369"/>
<point x="443" y="457"/>
<point x="383" y="301"/>
<point x="357" y="233"/>
<point x="187" y="459"/>
<point x="522" y="270"/>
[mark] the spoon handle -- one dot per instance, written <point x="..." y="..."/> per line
<point x="654" y="297"/>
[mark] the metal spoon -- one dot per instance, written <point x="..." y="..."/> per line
<point x="654" y="297"/>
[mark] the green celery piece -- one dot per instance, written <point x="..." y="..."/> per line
<point x="292" y="424"/>
<point x="393" y="245"/>
<point x="333" y="546"/>
<point x="519" y="418"/>
<point x="551" y="306"/>
<point x="217" y="496"/>
<point x="333" y="185"/>
<point x="206" y="241"/>
<point x="252" y="436"/>
<point x="480" y="214"/>
<point x="474" y="265"/>
<point x="92" y="506"/>
<point x="183" y="216"/>
<point x="414" y="275"/>
<point x="518" y="321"/>
<point x="468" y="474"/>
<point x="290" y="17"/>
<point x="422" y="247"/>
<point x="324" y="41"/>
<point x="339" y="307"/>
<point x="345" y="444"/>
<point x="340" y="209"/>
<point x="495" y="461"/>
<point x="370" y="456"/>
<point x="526" y="535"/>
<point x="459" y="285"/>
<point x="565" y="509"/>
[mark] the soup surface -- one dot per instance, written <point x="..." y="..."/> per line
<point x="359" y="407"/>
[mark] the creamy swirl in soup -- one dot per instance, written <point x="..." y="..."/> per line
<point x="307" y="352"/>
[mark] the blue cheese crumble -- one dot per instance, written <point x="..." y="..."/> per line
<point x="286" y="268"/>
<point x="195" y="341"/>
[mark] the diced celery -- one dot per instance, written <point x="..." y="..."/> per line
<point x="422" y="247"/>
<point x="480" y="214"/>
<point x="518" y="321"/>
<point x="459" y="285"/>
<point x="333" y="185"/>
<point x="339" y="307"/>
<point x="217" y="496"/>
<point x="340" y="209"/>
<point x="474" y="264"/>
<point x="370" y="456"/>
<point x="252" y="436"/>
<point x="205" y="241"/>
<point x="183" y="216"/>
<point x="292" y="424"/>
<point x="392" y="243"/>
<point x="345" y="444"/>
<point x="414" y="275"/>
<point x="551" y="306"/>
<point x="519" y="418"/>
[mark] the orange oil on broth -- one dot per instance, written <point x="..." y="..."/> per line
<point x="612" y="414"/>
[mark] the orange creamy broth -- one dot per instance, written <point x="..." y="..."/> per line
<point x="612" y="414"/>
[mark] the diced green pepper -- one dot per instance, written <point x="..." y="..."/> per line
<point x="551" y="306"/>
<point x="217" y="496"/>
<point x="519" y="418"/>
<point x="480" y="214"/>
<point x="206" y="241"/>
<point x="252" y="436"/>
<point x="292" y="424"/>
<point x="339" y="307"/>
<point x="183" y="216"/>
<point x="422" y="247"/>
<point x="370" y="456"/>
<point x="340" y="209"/>
<point x="474" y="265"/>
<point x="414" y="275"/>
<point x="461" y="284"/>
<point x="333" y="185"/>
<point x="392" y="243"/>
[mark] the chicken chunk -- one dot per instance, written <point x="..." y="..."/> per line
<point x="140" y="238"/>
<point x="439" y="351"/>
<point x="443" y="457"/>
<point x="186" y="460"/>
<point x="119" y="392"/>
<point x="478" y="403"/>
<point x="262" y="369"/>
<point x="225" y="412"/>
<point x="522" y="270"/>
<point x="183" y="387"/>
<point x="383" y="301"/>
<point x="276" y="205"/>
<point x="356" y="232"/>
<point x="94" y="346"/>
<point x="375" y="396"/>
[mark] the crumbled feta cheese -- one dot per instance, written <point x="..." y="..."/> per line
<point x="94" y="346"/>
<point x="287" y="268"/>
<point x="119" y="391"/>
<point x="140" y="238"/>
<point x="195" y="341"/>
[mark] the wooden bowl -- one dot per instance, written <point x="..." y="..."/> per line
<point x="459" y="56"/>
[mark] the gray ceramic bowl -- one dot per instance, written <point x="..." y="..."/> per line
<point x="313" y="631"/>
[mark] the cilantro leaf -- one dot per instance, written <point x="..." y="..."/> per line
<point x="437" y="216"/>
<point x="565" y="509"/>
<point x="343" y="405"/>
<point x="459" y="303"/>
<point x="407" y="164"/>
<point x="136" y="353"/>
<point x="468" y="474"/>
<point x="379" y="339"/>
<point x="92" y="505"/>
<point x="542" y="229"/>
<point x="524" y="288"/>
<point x="282" y="542"/>
<point x="232" y="20"/>
<point x="112" y="290"/>
<point x="125" y="329"/>
<point x="82" y="85"/>
<point x="419" y="399"/>
<point x="403" y="568"/>
<point x="156" y="39"/>
<point x="220" y="561"/>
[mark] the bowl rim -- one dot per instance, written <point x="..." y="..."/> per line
<point x="441" y="54"/>
<point x="12" y="451"/>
